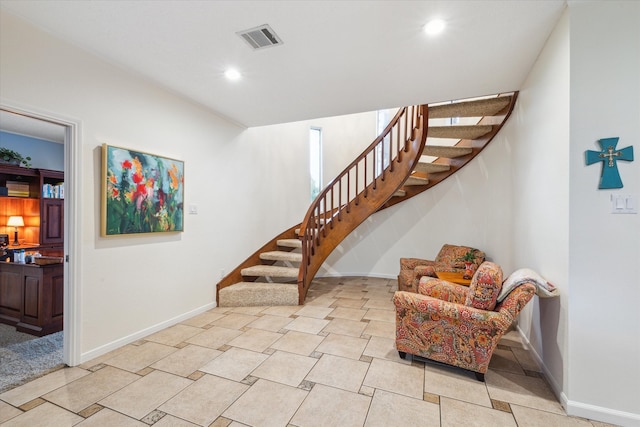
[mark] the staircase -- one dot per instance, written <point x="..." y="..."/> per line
<point x="421" y="146"/>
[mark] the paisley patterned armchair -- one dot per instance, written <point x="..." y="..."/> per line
<point x="456" y="325"/>
<point x="448" y="259"/>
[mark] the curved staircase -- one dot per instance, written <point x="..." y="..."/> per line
<point x="421" y="146"/>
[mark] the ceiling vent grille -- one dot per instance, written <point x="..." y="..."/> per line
<point x="260" y="37"/>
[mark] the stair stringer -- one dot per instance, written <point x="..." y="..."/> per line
<point x="323" y="229"/>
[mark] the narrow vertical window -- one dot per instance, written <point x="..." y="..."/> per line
<point x="315" y="161"/>
<point x="383" y="150"/>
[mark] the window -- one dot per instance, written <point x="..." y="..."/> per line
<point x="382" y="161"/>
<point x="315" y="161"/>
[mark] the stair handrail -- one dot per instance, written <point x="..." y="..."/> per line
<point x="404" y="136"/>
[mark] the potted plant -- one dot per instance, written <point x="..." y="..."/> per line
<point x="468" y="258"/>
<point x="13" y="157"/>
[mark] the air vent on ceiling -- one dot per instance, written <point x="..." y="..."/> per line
<point x="260" y="37"/>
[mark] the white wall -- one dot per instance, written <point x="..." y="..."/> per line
<point x="130" y="286"/>
<point x="540" y="237"/>
<point x="604" y="260"/>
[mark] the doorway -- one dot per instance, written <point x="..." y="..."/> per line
<point x="33" y="123"/>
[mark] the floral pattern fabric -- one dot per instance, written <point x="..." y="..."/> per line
<point x="485" y="287"/>
<point x="447" y="260"/>
<point x="450" y="332"/>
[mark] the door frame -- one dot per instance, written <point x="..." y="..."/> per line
<point x="72" y="324"/>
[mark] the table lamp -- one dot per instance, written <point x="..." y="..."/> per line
<point x="15" y="222"/>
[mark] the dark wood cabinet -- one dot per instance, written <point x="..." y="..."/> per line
<point x="52" y="222"/>
<point x="42" y="206"/>
<point x="31" y="297"/>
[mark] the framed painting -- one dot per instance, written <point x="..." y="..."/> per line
<point x="141" y="192"/>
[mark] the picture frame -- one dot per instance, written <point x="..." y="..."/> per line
<point x="141" y="193"/>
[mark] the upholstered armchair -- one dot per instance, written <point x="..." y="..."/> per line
<point x="458" y="325"/>
<point x="448" y="259"/>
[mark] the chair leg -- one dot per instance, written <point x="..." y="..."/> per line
<point x="402" y="354"/>
<point x="479" y="376"/>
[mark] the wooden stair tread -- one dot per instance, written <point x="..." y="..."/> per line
<point x="281" y="256"/>
<point x="290" y="243"/>
<point x="459" y="132"/>
<point x="270" y="271"/>
<point x="431" y="167"/>
<point x="477" y="108"/>
<point x="448" y="152"/>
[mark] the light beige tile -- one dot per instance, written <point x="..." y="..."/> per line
<point x="381" y="329"/>
<point x="380" y="303"/>
<point x="89" y="389"/>
<point x="456" y="384"/>
<point x="234" y="321"/>
<point x="7" y="412"/>
<point x="139" y="357"/>
<point x="214" y="337"/>
<point x="205" y="400"/>
<point x="522" y="390"/>
<point x="390" y="409"/>
<point x="307" y="325"/>
<point x="174" y="334"/>
<point x="525" y="359"/>
<point x="512" y="338"/>
<point x="270" y="322"/>
<point x="396" y="378"/>
<point x="505" y="360"/>
<point x="203" y="319"/>
<point x="234" y="364"/>
<point x="348" y="313"/>
<point x="342" y="345"/>
<point x="31" y="390"/>
<point x="349" y="302"/>
<point x="321" y="301"/>
<point x="316" y="312"/>
<point x="383" y="348"/>
<point x="171" y="421"/>
<point x="45" y="415"/>
<point x="253" y="310"/>
<point x="285" y="368"/>
<point x="455" y="413"/>
<point x="266" y="404"/>
<point x="339" y="372"/>
<point x="186" y="360"/>
<point x="381" y="315"/>
<point x="327" y="406"/>
<point x="283" y="310"/>
<point x="107" y="417"/>
<point x="352" y="328"/>
<point x="136" y="400"/>
<point x="298" y="343"/>
<point x="100" y="359"/>
<point x="528" y="417"/>
<point x="255" y="340"/>
<point x="352" y="294"/>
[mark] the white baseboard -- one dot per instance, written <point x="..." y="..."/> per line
<point x="579" y="409"/>
<point x="368" y="274"/>
<point x="92" y="354"/>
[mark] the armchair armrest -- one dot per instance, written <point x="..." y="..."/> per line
<point x="441" y="289"/>
<point x="442" y="312"/>
<point x="424" y="270"/>
<point x="412" y="263"/>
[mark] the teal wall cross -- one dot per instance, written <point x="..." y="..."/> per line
<point x="610" y="177"/>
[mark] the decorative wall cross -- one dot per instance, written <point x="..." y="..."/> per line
<point x="610" y="177"/>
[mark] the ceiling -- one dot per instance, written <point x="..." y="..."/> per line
<point x="29" y="126"/>
<point x="337" y="57"/>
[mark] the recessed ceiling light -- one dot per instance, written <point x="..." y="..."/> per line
<point x="434" y="27"/>
<point x="232" y="74"/>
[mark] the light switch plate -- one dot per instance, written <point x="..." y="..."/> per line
<point x="623" y="204"/>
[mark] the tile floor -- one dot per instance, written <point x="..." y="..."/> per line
<point x="331" y="362"/>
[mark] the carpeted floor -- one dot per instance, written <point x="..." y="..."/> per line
<point x="24" y="357"/>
